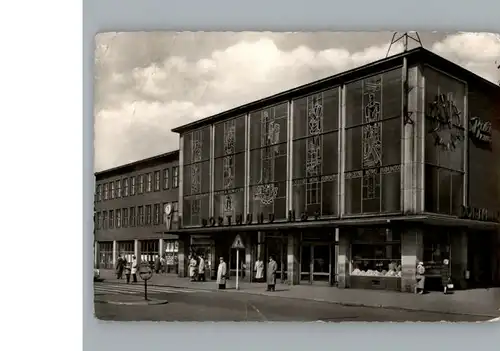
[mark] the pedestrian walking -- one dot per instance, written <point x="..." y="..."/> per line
<point x="192" y="268"/>
<point x="119" y="266"/>
<point x="445" y="276"/>
<point x="201" y="269"/>
<point x="134" y="269"/>
<point x="127" y="272"/>
<point x="163" y="263"/>
<point x="272" y="268"/>
<point x="420" y="287"/>
<point x="259" y="270"/>
<point x="221" y="274"/>
<point x="157" y="264"/>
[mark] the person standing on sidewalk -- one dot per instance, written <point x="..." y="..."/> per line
<point x="259" y="270"/>
<point x="134" y="269"/>
<point x="272" y="268"/>
<point x="420" y="278"/>
<point x="119" y="267"/>
<point x="201" y="269"/>
<point x="192" y="268"/>
<point x="157" y="264"/>
<point x="221" y="274"/>
<point x="127" y="271"/>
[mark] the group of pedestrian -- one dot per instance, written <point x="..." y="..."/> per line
<point x="197" y="268"/>
<point x="446" y="281"/>
<point x="130" y="268"/>
<point x="160" y="264"/>
<point x="272" y="268"/>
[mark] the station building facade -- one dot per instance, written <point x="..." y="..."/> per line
<point x="129" y="215"/>
<point x="353" y="179"/>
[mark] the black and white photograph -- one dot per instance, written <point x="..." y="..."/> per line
<point x="297" y="177"/>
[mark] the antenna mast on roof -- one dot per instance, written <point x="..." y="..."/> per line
<point x="403" y="37"/>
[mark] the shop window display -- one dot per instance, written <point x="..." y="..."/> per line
<point x="376" y="253"/>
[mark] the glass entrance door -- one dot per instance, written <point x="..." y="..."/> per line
<point x="315" y="263"/>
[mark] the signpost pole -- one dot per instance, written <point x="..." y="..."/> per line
<point x="237" y="268"/>
<point x="145" y="289"/>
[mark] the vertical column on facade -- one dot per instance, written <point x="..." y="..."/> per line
<point x="408" y="141"/>
<point x="161" y="248"/>
<point x="289" y="160"/>
<point x="115" y="252"/>
<point x="137" y="250"/>
<point x="411" y="252"/>
<point x="96" y="255"/>
<point x="419" y="121"/>
<point x="344" y="259"/>
<point x="465" y="123"/>
<point x="181" y="179"/>
<point x="459" y="258"/>
<point x="246" y="193"/>
<point x="293" y="250"/>
<point x="183" y="254"/>
<point x="341" y="151"/>
<point x="212" y="170"/>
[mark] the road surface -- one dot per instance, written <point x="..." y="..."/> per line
<point x="198" y="305"/>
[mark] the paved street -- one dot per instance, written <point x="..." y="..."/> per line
<point x="198" y="305"/>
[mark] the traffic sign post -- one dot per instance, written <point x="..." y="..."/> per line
<point x="145" y="273"/>
<point x="238" y="245"/>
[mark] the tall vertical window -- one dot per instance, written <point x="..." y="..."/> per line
<point x="118" y="218"/>
<point x="125" y="187"/>
<point x="140" y="215"/>
<point x="175" y="211"/>
<point x="99" y="192"/>
<point x="166" y="179"/>
<point x="162" y="219"/>
<point x="106" y="191"/>
<point x="373" y="144"/>
<point x="157" y="214"/>
<point x="104" y="220"/>
<point x="444" y="143"/>
<point x="196" y="179"/>
<point x="98" y="220"/>
<point x="132" y="216"/>
<point x="268" y="155"/>
<point x="229" y="168"/>
<point x="141" y="184"/>
<point x="175" y="177"/>
<point x="149" y="183"/>
<point x="315" y="153"/>
<point x="118" y="188"/>
<point x="125" y="218"/>
<point x="132" y="185"/>
<point x="111" y="219"/>
<point x="148" y="214"/>
<point x="157" y="181"/>
<point x="112" y="184"/>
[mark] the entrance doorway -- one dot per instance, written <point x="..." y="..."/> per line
<point x="276" y="246"/>
<point x="316" y="263"/>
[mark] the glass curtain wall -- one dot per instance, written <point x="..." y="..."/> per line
<point x="196" y="176"/>
<point x="315" y="154"/>
<point x="268" y="161"/>
<point x="106" y="255"/>
<point x="229" y="168"/>
<point x="373" y="144"/>
<point x="444" y="143"/>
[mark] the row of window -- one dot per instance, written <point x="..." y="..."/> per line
<point x="137" y="184"/>
<point x="139" y="216"/>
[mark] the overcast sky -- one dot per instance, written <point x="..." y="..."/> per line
<point x="148" y="83"/>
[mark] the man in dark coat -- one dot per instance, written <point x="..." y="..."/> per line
<point x="272" y="267"/>
<point x="120" y="264"/>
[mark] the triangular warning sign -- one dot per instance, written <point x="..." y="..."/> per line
<point x="238" y="243"/>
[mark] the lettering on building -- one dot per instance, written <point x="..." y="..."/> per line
<point x="479" y="214"/>
<point x="480" y="130"/>
<point x="259" y="218"/>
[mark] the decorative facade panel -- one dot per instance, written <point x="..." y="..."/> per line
<point x="444" y="142"/>
<point x="373" y="144"/>
<point x="268" y="160"/>
<point x="315" y="154"/>
<point x="229" y="168"/>
<point x="196" y="176"/>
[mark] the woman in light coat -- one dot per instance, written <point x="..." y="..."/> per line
<point x="221" y="274"/>
<point x="134" y="269"/>
<point x="201" y="269"/>
<point x="420" y="287"/>
<point x="192" y="268"/>
<point x="259" y="270"/>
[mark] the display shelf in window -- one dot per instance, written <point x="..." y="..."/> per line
<point x="376" y="268"/>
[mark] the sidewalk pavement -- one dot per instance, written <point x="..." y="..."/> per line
<point x="478" y="302"/>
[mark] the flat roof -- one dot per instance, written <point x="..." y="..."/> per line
<point x="414" y="56"/>
<point x="171" y="155"/>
